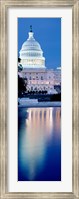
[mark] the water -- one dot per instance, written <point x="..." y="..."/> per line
<point x="39" y="144"/>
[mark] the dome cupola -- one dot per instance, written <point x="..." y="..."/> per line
<point x="31" y="54"/>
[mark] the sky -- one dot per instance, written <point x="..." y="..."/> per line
<point x="47" y="31"/>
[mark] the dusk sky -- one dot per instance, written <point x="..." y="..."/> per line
<point x="47" y="31"/>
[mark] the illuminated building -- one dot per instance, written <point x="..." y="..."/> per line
<point x="38" y="77"/>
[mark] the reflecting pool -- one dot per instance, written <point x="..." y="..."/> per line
<point x="39" y="144"/>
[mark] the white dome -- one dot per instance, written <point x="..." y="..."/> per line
<point x="31" y="54"/>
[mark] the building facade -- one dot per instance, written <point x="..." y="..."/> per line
<point x="35" y="73"/>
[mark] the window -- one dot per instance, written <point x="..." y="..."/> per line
<point x="32" y="88"/>
<point x="41" y="77"/>
<point x="36" y="77"/>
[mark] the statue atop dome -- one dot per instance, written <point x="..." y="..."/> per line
<point x="30" y="28"/>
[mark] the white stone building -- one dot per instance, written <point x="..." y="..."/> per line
<point x="38" y="77"/>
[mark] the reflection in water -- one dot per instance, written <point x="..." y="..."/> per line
<point x="39" y="144"/>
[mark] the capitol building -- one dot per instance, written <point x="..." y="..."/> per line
<point x="35" y="73"/>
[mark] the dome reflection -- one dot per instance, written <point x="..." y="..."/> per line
<point x="40" y="127"/>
